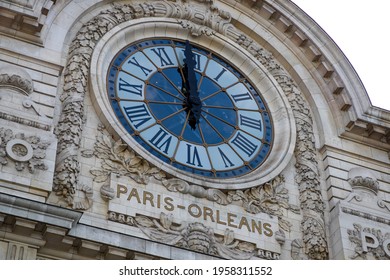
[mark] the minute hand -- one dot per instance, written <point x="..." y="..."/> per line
<point x="193" y="101"/>
<point x="190" y="63"/>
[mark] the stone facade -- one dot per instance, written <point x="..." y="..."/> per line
<point x="74" y="185"/>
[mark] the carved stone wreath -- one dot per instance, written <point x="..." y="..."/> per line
<point x="25" y="151"/>
<point x="69" y="129"/>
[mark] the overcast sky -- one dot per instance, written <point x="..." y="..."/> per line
<point x="361" y="30"/>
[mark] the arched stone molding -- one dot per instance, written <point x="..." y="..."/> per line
<point x="69" y="129"/>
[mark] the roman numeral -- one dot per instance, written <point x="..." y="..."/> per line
<point x="164" y="58"/>
<point x="161" y="140"/>
<point x="220" y="74"/>
<point x="138" y="115"/>
<point x="250" y="122"/>
<point x="197" y="61"/>
<point x="130" y="88"/>
<point x="136" y="63"/>
<point x="225" y="159"/>
<point x="241" y="97"/>
<point x="196" y="57"/>
<point x="193" y="156"/>
<point x="244" y="144"/>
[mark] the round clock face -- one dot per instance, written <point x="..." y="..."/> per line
<point x="190" y="108"/>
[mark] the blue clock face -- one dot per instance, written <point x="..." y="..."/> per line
<point x="190" y="108"/>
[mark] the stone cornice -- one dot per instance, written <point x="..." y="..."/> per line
<point x="38" y="224"/>
<point x="36" y="211"/>
<point x="24" y="20"/>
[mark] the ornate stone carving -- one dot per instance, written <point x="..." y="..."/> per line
<point x="17" y="78"/>
<point x="194" y="236"/>
<point x="117" y="158"/>
<point x="365" y="189"/>
<point x="69" y="128"/>
<point x="297" y="250"/>
<point x="70" y="125"/>
<point x="17" y="82"/>
<point x="107" y="193"/>
<point x="367" y="182"/>
<point x="196" y="30"/>
<point x="84" y="197"/>
<point x="271" y="198"/>
<point x="379" y="245"/>
<point x="25" y="151"/>
<point x="362" y="178"/>
<point x="16" y="88"/>
<point x="177" y="185"/>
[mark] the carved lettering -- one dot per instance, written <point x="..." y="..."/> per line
<point x="194" y="210"/>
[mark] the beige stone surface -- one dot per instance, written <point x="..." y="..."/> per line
<point x="329" y="141"/>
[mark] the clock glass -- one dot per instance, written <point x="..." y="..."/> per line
<point x="190" y="108"/>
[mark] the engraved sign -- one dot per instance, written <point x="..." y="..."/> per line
<point x="132" y="200"/>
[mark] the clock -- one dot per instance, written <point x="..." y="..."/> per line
<point x="190" y="108"/>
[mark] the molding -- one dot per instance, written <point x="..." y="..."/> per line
<point x="365" y="215"/>
<point x="354" y="158"/>
<point x="25" y="121"/>
<point x="25" y="19"/>
<point x="39" y="212"/>
<point x="57" y="233"/>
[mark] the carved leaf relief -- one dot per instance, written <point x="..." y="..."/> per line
<point x="193" y="236"/>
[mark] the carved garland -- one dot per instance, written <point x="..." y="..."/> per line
<point x="69" y="128"/>
<point x="194" y="236"/>
<point x="27" y="152"/>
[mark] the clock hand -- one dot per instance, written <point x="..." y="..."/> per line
<point x="192" y="102"/>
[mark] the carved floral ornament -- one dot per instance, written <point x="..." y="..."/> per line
<point x="26" y="152"/>
<point x="370" y="243"/>
<point x="212" y="21"/>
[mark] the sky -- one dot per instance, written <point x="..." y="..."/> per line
<point x="361" y="30"/>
